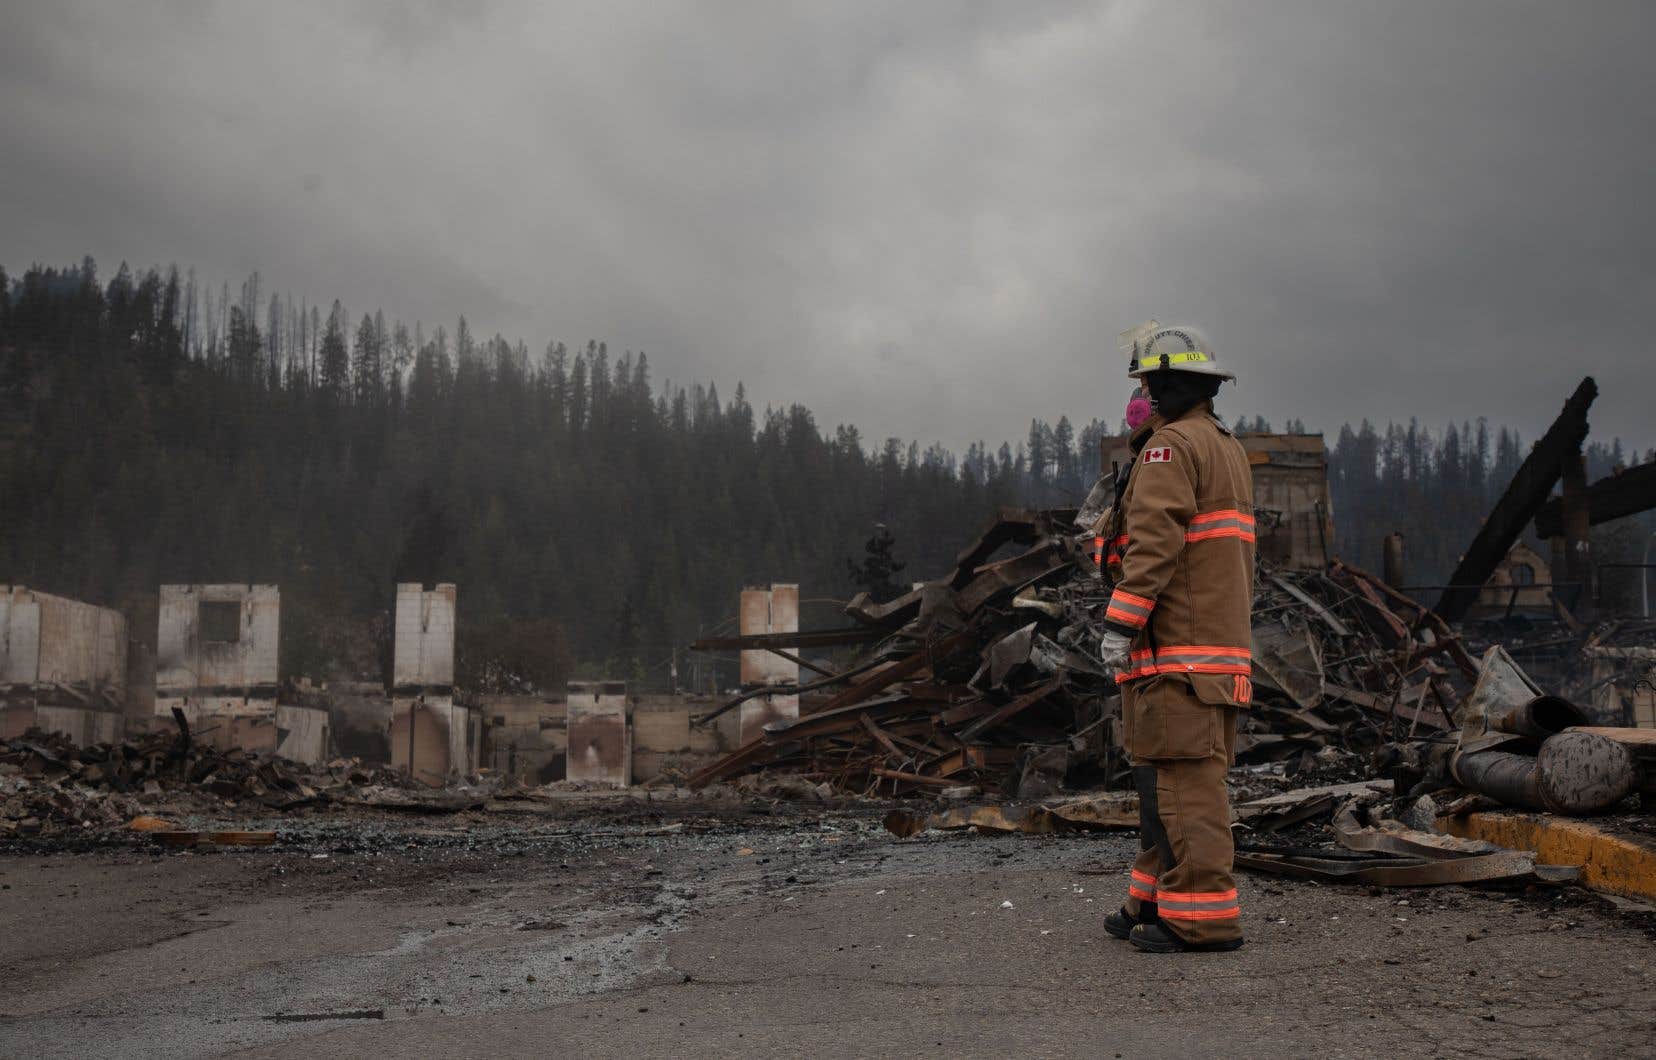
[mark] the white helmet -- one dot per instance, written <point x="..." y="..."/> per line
<point x="1151" y="347"/>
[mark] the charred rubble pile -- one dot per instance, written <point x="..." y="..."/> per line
<point x="49" y="786"/>
<point x="985" y="681"/>
<point x="988" y="677"/>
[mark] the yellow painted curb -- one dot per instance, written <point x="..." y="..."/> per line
<point x="1615" y="863"/>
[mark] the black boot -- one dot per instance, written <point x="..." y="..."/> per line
<point x="1121" y="923"/>
<point x="1154" y="938"/>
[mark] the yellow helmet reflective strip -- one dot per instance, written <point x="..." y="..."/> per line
<point x="1186" y="357"/>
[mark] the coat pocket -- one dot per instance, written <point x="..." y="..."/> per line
<point x="1170" y="723"/>
<point x="1222" y="690"/>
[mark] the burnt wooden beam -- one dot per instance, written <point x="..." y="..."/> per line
<point x="1524" y="496"/>
<point x="1629" y="493"/>
<point x="824" y="638"/>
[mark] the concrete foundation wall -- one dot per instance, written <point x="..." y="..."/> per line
<point x="773" y="610"/>
<point x="303" y="735"/>
<point x="600" y="740"/>
<point x="48" y="641"/>
<point x="217" y="677"/>
<point x="81" y="725"/>
<point x="526" y="738"/>
<point x="423" y="651"/>
<point x="360" y="722"/>
<point x="439" y="737"/>
<point x="254" y="733"/>
<point x="428" y="728"/>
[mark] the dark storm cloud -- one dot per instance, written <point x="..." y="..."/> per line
<point x="926" y="218"/>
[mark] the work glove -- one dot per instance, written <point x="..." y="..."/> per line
<point x="1112" y="650"/>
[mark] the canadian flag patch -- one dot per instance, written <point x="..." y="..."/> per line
<point x="1159" y="455"/>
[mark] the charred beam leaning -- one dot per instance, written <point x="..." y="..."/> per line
<point x="1629" y="493"/>
<point x="1523" y="498"/>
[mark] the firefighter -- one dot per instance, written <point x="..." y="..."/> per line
<point x="1178" y="637"/>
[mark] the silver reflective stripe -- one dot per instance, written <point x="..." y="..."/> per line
<point x="1178" y="657"/>
<point x="1223" y="524"/>
<point x="1178" y="905"/>
<point x="1126" y="605"/>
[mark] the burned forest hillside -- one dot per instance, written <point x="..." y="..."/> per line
<point x="154" y="430"/>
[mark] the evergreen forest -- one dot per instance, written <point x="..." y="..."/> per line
<point x="596" y="520"/>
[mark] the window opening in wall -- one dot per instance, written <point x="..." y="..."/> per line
<point x="220" y="621"/>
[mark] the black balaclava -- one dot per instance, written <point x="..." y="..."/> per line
<point x="1176" y="393"/>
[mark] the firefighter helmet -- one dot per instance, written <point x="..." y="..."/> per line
<point x="1151" y="347"/>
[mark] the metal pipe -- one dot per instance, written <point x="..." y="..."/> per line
<point x="1510" y="778"/>
<point x="1540" y="718"/>
<point x="1575" y="773"/>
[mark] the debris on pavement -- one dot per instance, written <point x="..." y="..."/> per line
<point x="1382" y="851"/>
<point x="48" y="785"/>
<point x="1100" y="811"/>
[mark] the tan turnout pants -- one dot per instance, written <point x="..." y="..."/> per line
<point x="1180" y="748"/>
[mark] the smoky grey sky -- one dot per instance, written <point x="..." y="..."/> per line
<point x="926" y="218"/>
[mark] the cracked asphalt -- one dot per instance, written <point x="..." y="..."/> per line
<point x="671" y="933"/>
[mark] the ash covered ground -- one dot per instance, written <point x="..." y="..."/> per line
<point x="675" y="927"/>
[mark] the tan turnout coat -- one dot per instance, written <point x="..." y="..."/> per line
<point x="1182" y="556"/>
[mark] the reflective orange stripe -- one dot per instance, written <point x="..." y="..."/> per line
<point x="1129" y="610"/>
<point x="1197" y="905"/>
<point x="1208" y="535"/>
<point x="1191" y="659"/>
<point x="1216" y="669"/>
<point x="1223" y="513"/>
<point x="1147" y="893"/>
<point x="1223" y="531"/>
<point x="1206" y="649"/>
<point x="1228" y="522"/>
<point x="1198" y="896"/>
